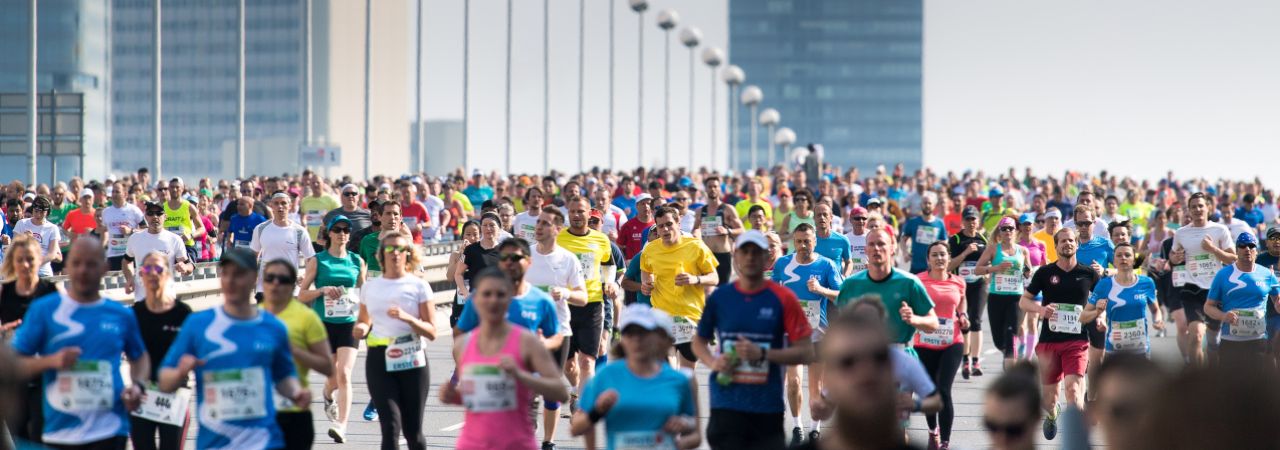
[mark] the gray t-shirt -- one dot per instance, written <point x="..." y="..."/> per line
<point x="359" y="218"/>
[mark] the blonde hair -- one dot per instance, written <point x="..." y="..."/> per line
<point x="164" y="291"/>
<point x="7" y="270"/>
<point x="412" y="261"/>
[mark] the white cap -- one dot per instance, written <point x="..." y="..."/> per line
<point x="753" y="237"/>
<point x="643" y="196"/>
<point x="645" y="317"/>
<point x="350" y="187"/>
<point x="111" y="177"/>
<point x="416" y="180"/>
<point x="86" y="192"/>
<point x="29" y="196"/>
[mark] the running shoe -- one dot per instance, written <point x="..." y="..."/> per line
<point x="977" y="368"/>
<point x="339" y="434"/>
<point x="331" y="409"/>
<point x="1051" y="425"/>
<point x="935" y="442"/>
<point x="548" y="446"/>
<point x="370" y="413"/>
<point x="964" y="371"/>
<point x="797" y="436"/>
<point x="814" y="434"/>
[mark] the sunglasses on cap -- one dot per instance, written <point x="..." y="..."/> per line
<point x="1009" y="430"/>
<point x="275" y="278"/>
<point x="512" y="257"/>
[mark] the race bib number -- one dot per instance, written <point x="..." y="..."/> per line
<point x="525" y="232"/>
<point x="314" y="218"/>
<point x="1250" y="323"/>
<point x="86" y="387"/>
<point x="586" y="261"/>
<point x="344" y="306"/>
<point x="1129" y="335"/>
<point x="859" y="264"/>
<point x="945" y="334"/>
<point x="235" y="394"/>
<point x="1065" y="319"/>
<point x="643" y="440"/>
<point x="709" y="225"/>
<point x="812" y="311"/>
<point x="1008" y="283"/>
<point x="405" y="353"/>
<point x="486" y="388"/>
<point x="176" y="230"/>
<point x="117" y="243"/>
<point x="1203" y="267"/>
<point x="926" y="235"/>
<point x="967" y="269"/>
<point x="683" y="330"/>
<point x="169" y="409"/>
<point x="748" y="372"/>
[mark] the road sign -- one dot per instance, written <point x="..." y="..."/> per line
<point x="320" y="155"/>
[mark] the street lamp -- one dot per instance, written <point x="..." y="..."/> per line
<point x="690" y="37"/>
<point x="712" y="57"/>
<point x="769" y="118"/>
<point x="784" y="137"/>
<point x="751" y="98"/>
<point x="733" y="76"/>
<point x="667" y="20"/>
<point x="640" y="6"/>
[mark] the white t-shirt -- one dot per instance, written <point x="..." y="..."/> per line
<point x="857" y="245"/>
<point x="687" y="221"/>
<point x="559" y="268"/>
<point x="114" y="218"/>
<point x="406" y="292"/>
<point x="1188" y="237"/>
<point x="143" y="243"/>
<point x="46" y="233"/>
<point x="290" y="242"/>
<point x="1238" y="226"/>
<point x="613" y="220"/>
<point x="523" y="226"/>
<point x="433" y="205"/>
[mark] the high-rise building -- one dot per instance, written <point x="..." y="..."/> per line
<point x="846" y="74"/>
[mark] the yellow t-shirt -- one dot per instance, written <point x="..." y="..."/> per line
<point x="664" y="261"/>
<point x="1050" y="251"/>
<point x="591" y="251"/>
<point x="305" y="329"/>
<point x="744" y="206"/>
<point x="313" y="210"/>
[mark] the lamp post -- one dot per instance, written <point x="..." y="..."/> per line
<point x="712" y="57"/>
<point x="546" y="86"/>
<point x="640" y="6"/>
<point x="466" y="78"/>
<point x="751" y="98"/>
<point x="769" y="118"/>
<point x="733" y="76"/>
<point x="667" y="20"/>
<point x="690" y="37"/>
<point x="508" y="111"/>
<point x="784" y="137"/>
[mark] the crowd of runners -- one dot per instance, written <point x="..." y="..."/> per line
<point x="811" y="295"/>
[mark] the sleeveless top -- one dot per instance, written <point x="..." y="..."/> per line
<point x="341" y="272"/>
<point x="709" y="226"/>
<point x="1008" y="282"/>
<point x="497" y="405"/>
<point x="178" y="220"/>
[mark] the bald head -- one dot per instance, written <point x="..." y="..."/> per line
<point x="85" y="265"/>
<point x="86" y="247"/>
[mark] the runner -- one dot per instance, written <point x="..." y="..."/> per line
<point x="395" y="314"/>
<point x="80" y="221"/>
<point x="901" y="291"/>
<point x="1200" y="249"/>
<point x="45" y="232"/>
<point x="744" y="207"/>
<point x="750" y="320"/>
<point x="480" y="254"/>
<point x="834" y="246"/>
<point x="526" y="223"/>
<point x="593" y="252"/>
<point x="1029" y="324"/>
<point x="1271" y="260"/>
<point x="942" y="351"/>
<point x="238" y="353"/>
<point x="153" y="239"/>
<point x="644" y="402"/>
<point x="360" y="218"/>
<point x="857" y="236"/>
<point x="718" y="224"/>
<point x="494" y="381"/>
<point x="239" y="233"/>
<point x="1129" y="304"/>
<point x="1096" y="253"/>
<point x="1087" y="200"/>
<point x="1008" y="264"/>
<point x="314" y="206"/>
<point x="629" y="235"/>
<point x="922" y="231"/>
<point x="332" y="288"/>
<point x="412" y="212"/>
<point x="73" y="340"/>
<point x="676" y="271"/>
<point x="1065" y="286"/>
<point x="1052" y="222"/>
<point x="1011" y="407"/>
<point x="815" y="281"/>
<point x="470" y="234"/>
<point x="967" y="247"/>
<point x="801" y="213"/>
<point x="389" y="220"/>
<point x="1238" y="298"/>
<point x="117" y="222"/>
<point x="159" y="317"/>
<point x="180" y="216"/>
<point x="308" y="342"/>
<point x="281" y="238"/>
<point x="23" y="286"/>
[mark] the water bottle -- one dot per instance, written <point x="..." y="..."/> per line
<point x="725" y="378"/>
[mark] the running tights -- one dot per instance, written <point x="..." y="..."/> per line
<point x="942" y="366"/>
<point x="399" y="397"/>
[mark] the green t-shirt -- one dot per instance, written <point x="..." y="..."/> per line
<point x="369" y="251"/>
<point x="334" y="271"/>
<point x="57" y="214"/>
<point x="900" y="288"/>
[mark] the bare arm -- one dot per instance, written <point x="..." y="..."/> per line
<point x="316" y="356"/>
<point x="197" y="225"/>
<point x="547" y="381"/>
<point x="306" y="294"/>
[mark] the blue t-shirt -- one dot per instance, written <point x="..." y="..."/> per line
<point x="1241" y="292"/>
<point x="1253" y="216"/>
<point x="533" y="311"/>
<point x="1125" y="306"/>
<point x="922" y="233"/>
<point x="627" y="204"/>
<point x="243" y="360"/>
<point x="478" y="194"/>
<point x="241" y="227"/>
<point x="1097" y="250"/>
<point x="644" y="404"/>
<point x="795" y="276"/>
<point x="835" y="247"/>
<point x="633" y="273"/>
<point x="103" y="330"/>
<point x="762" y="317"/>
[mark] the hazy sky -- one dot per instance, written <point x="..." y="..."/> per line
<point x="1136" y="86"/>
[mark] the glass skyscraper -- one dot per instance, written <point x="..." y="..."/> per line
<point x="842" y="73"/>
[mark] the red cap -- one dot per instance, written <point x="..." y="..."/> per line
<point x="597" y="214"/>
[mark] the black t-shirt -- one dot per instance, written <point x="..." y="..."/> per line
<point x="959" y="242"/>
<point x="1266" y="259"/>
<point x="476" y="257"/>
<point x="14" y="306"/>
<point x="159" y="330"/>
<point x="1067" y="287"/>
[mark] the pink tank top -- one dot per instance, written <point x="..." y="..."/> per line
<point x="497" y="405"/>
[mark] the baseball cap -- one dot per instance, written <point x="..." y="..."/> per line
<point x="643" y="196"/>
<point x="970" y="212"/>
<point x="1246" y="238"/>
<point x="995" y="192"/>
<point x="1006" y="222"/>
<point x="1027" y="218"/>
<point x="336" y="219"/>
<point x="857" y="211"/>
<point x="751" y="237"/>
<point x="874" y="201"/>
<point x="643" y="316"/>
<point x="1273" y="230"/>
<point x="86" y="192"/>
<point x="1053" y="213"/>
<point x="242" y="257"/>
<point x="597" y="214"/>
<point x="148" y="206"/>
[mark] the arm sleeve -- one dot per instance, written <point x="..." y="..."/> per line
<point x="255" y="243"/>
<point x="834" y="277"/>
<point x="1037" y="282"/>
<point x="706" y="261"/>
<point x="468" y="320"/>
<point x="1215" y="288"/>
<point x="1099" y="291"/>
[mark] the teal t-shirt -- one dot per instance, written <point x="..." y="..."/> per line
<point x="335" y="271"/>
<point x="898" y="289"/>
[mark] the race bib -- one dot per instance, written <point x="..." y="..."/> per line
<point x="235" y="394"/>
<point x="859" y="264"/>
<point x="683" y="330"/>
<point x="1008" y="283"/>
<point x="967" y="271"/>
<point x="1203" y="268"/>
<point x="169" y="409"/>
<point x="242" y="243"/>
<point x="1250" y="323"/>
<point x="945" y="334"/>
<point x="342" y="307"/>
<point x="405" y="353"/>
<point x="643" y="440"/>
<point x="926" y="235"/>
<point x="1065" y="319"/>
<point x="1129" y="335"/>
<point x="117" y="243"/>
<point x="1180" y="276"/>
<point x="748" y="372"/>
<point x="86" y="387"/>
<point x="486" y="388"/>
<point x="176" y="230"/>
<point x="586" y="261"/>
<point x="526" y="232"/>
<point x="812" y="311"/>
<point x="314" y="218"/>
<point x="709" y="225"/>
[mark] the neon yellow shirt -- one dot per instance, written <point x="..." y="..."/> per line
<point x="744" y="206"/>
<point x="689" y="255"/>
<point x="592" y="251"/>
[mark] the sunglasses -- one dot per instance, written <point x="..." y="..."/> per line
<point x="879" y="358"/>
<point x="350" y="194"/>
<point x="151" y="269"/>
<point x="276" y="278"/>
<point x="859" y="219"/>
<point x="1005" y="228"/>
<point x="343" y="230"/>
<point x="1010" y="430"/>
<point x="512" y="257"/>
<point x="396" y="249"/>
<point x="1084" y="223"/>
